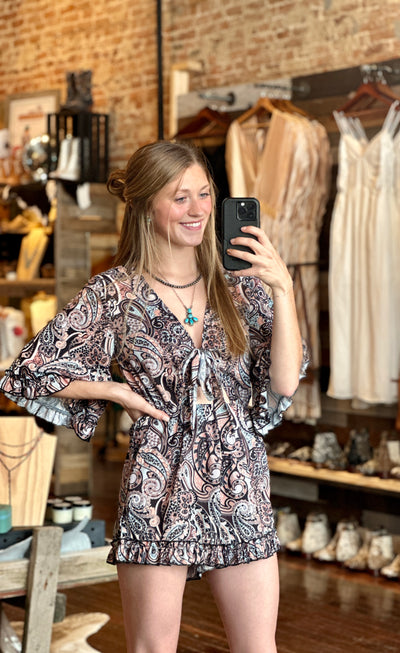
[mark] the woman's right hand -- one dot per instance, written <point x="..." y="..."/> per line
<point x="135" y="405"/>
<point x="119" y="393"/>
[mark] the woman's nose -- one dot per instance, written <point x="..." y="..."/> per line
<point x="195" y="207"/>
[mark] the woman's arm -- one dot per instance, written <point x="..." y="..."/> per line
<point x="119" y="393"/>
<point x="286" y="344"/>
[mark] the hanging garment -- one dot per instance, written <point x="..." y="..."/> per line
<point x="363" y="271"/>
<point x="287" y="167"/>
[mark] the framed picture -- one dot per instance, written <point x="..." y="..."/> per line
<point x="26" y="115"/>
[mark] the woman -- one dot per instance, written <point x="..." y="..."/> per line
<point x="210" y="363"/>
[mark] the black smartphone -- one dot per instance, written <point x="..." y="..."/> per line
<point x="237" y="212"/>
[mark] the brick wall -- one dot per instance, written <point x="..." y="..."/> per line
<point x="236" y="41"/>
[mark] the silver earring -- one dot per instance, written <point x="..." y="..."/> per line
<point x="148" y="220"/>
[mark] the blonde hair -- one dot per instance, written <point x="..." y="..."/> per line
<point x="148" y="170"/>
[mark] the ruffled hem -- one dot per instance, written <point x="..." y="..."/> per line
<point x="51" y="409"/>
<point x="267" y="413"/>
<point x="81" y="415"/>
<point x="198" y="557"/>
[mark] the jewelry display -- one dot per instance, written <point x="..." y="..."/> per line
<point x="27" y="456"/>
<point x="33" y="248"/>
<point x="22" y="457"/>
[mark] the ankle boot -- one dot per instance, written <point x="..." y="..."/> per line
<point x="327" y="451"/>
<point x="384" y="462"/>
<point x="395" y="472"/>
<point x="349" y="542"/>
<point x="344" y="544"/>
<point x="328" y="552"/>
<point x="280" y="449"/>
<point x="287" y="527"/>
<point x="381" y="551"/>
<point x="358" y="449"/>
<point x="359" y="562"/>
<point x="392" y="570"/>
<point x="295" y="545"/>
<point x="316" y="534"/>
<point x="303" y="454"/>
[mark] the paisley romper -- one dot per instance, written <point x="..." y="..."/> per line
<point x="195" y="490"/>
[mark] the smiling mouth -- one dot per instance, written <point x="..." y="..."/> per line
<point x="192" y="225"/>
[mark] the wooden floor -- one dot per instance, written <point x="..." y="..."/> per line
<point x="323" y="608"/>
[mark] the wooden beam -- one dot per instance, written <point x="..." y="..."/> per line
<point x="41" y="589"/>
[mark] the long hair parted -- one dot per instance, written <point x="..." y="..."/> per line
<point x="148" y="170"/>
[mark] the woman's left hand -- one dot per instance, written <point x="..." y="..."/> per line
<point x="266" y="264"/>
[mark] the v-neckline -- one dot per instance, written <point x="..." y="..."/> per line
<point x="167" y="309"/>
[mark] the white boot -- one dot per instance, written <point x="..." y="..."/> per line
<point x="287" y="527"/>
<point x="349" y="542"/>
<point x="392" y="570"/>
<point x="316" y="534"/>
<point x="381" y="551"/>
<point x="328" y="553"/>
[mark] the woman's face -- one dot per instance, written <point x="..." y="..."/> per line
<point x="182" y="209"/>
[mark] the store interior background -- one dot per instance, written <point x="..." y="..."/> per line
<point x="214" y="45"/>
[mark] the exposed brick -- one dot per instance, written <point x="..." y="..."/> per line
<point x="239" y="41"/>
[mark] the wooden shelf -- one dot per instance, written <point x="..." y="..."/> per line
<point x="323" y="475"/>
<point x="76" y="568"/>
<point x="26" y="288"/>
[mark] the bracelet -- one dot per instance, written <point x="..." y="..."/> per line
<point x="284" y="293"/>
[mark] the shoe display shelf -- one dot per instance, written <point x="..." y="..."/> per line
<point x="78" y="146"/>
<point x="307" y="470"/>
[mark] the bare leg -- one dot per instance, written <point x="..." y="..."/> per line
<point x="247" y="597"/>
<point x="152" y="604"/>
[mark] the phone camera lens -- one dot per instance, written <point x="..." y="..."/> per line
<point x="246" y="211"/>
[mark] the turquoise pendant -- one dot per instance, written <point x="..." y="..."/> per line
<point x="190" y="319"/>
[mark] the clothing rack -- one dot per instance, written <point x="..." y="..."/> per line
<point x="230" y="99"/>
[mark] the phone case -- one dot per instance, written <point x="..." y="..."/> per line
<point x="234" y="216"/>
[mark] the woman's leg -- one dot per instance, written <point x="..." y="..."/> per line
<point x="247" y="597"/>
<point x="152" y="604"/>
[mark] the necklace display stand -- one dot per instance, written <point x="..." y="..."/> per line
<point x="26" y="463"/>
<point x="33" y="247"/>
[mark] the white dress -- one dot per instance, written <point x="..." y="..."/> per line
<point x="363" y="275"/>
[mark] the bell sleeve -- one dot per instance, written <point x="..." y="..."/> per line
<point x="78" y="344"/>
<point x="267" y="407"/>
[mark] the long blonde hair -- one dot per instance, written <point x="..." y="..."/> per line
<point x="148" y="170"/>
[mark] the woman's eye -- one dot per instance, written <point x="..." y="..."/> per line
<point x="205" y="194"/>
<point x="180" y="200"/>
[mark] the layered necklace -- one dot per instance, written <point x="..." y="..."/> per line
<point x="20" y="458"/>
<point x="190" y="318"/>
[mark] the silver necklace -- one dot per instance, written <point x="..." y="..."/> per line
<point x="190" y="318"/>
<point x="172" y="285"/>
